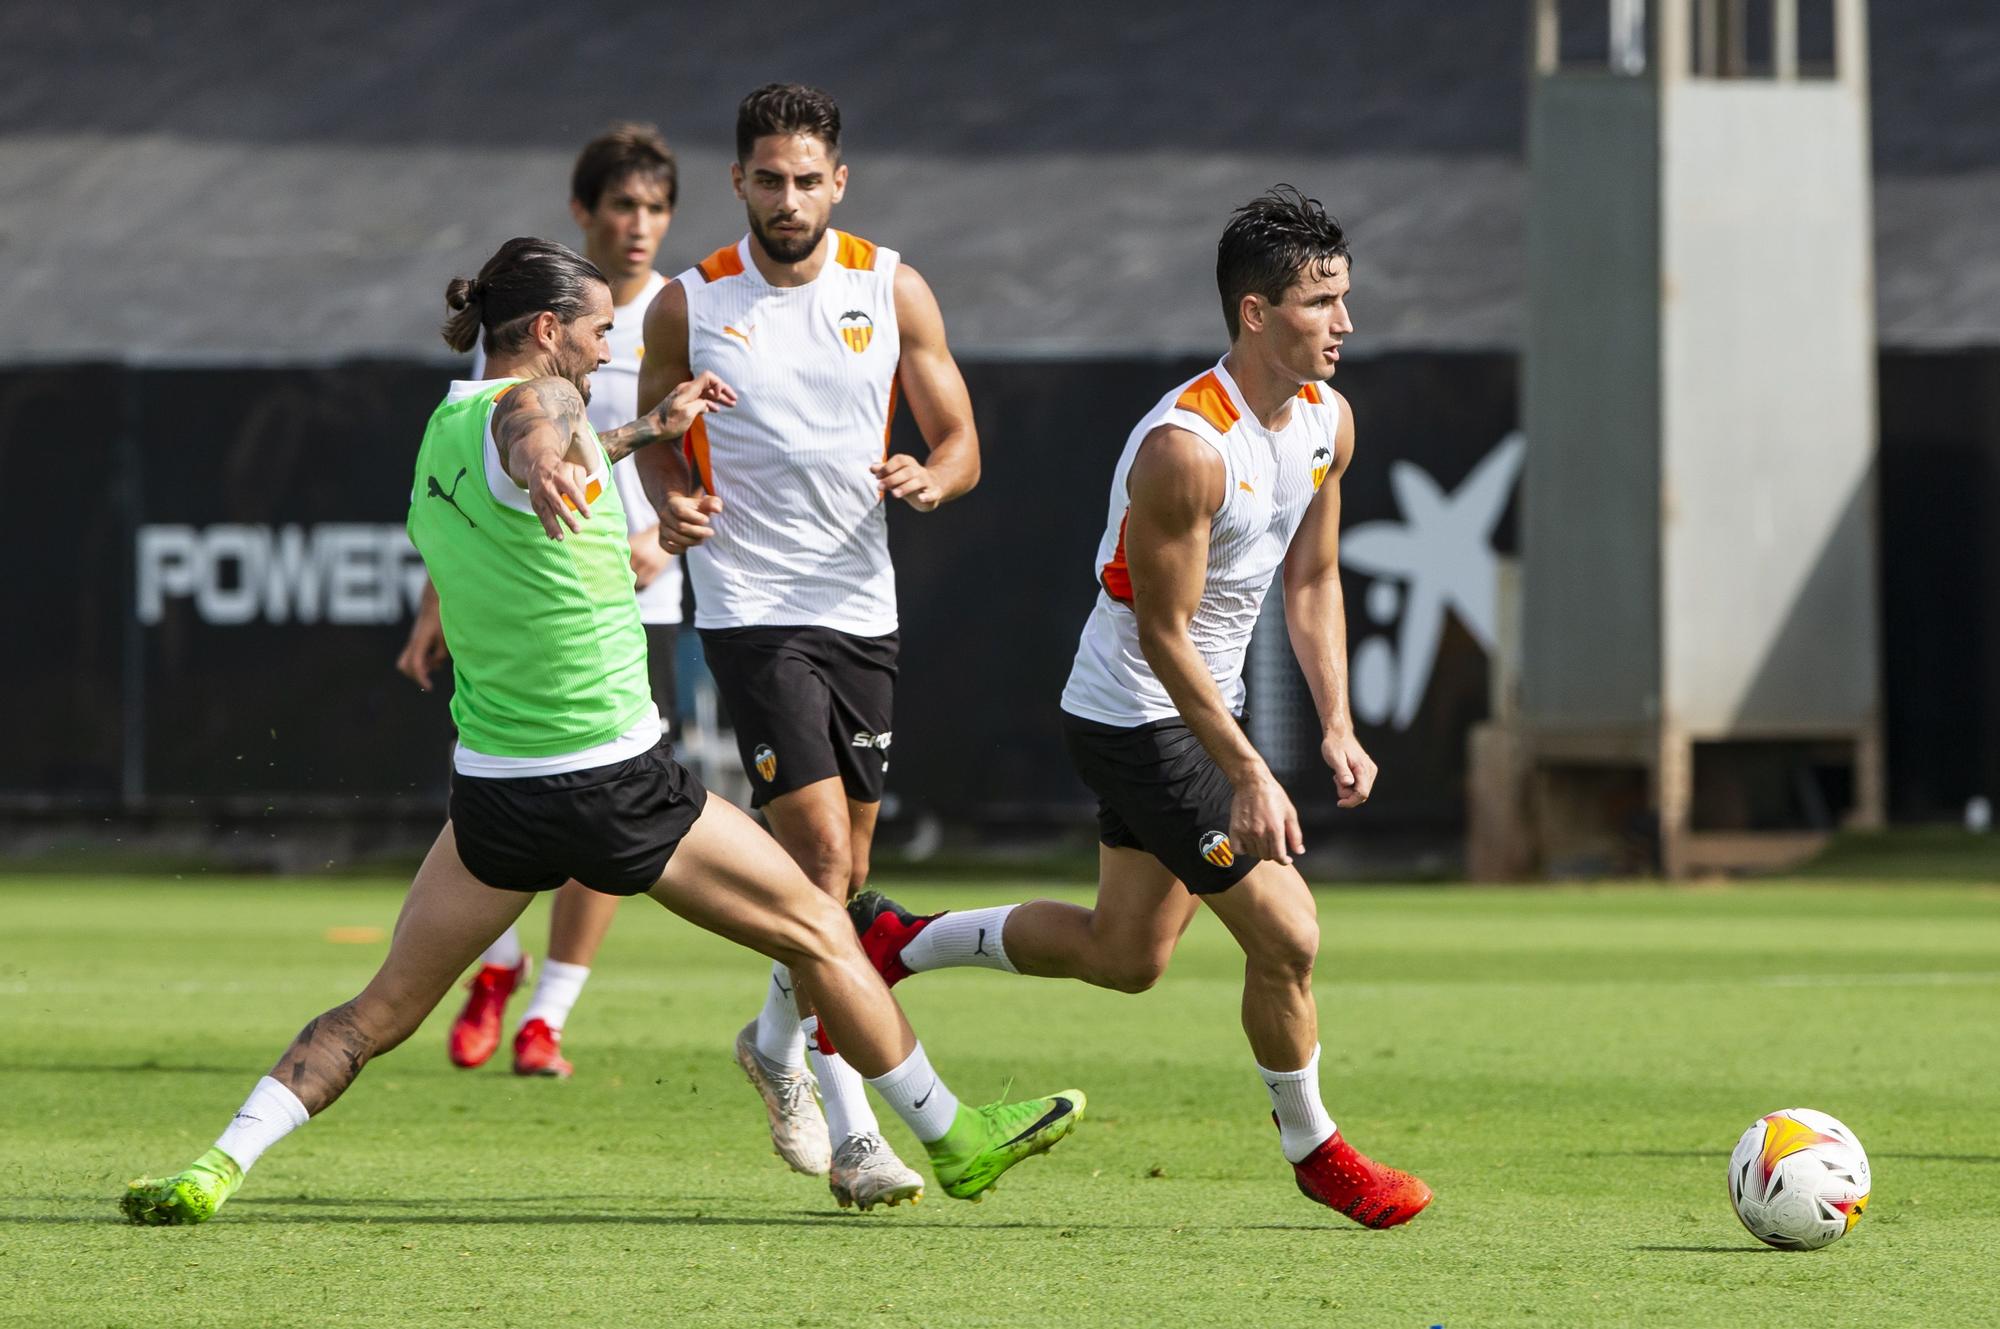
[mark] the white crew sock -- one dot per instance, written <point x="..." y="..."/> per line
<point x="270" y="1114"/>
<point x="1303" y="1123"/>
<point x="556" y="992"/>
<point x="778" y="1038"/>
<point x="506" y="952"/>
<point x="961" y="937"/>
<point x="926" y="1105"/>
<point x="842" y="1092"/>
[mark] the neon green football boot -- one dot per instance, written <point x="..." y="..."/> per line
<point x="984" y="1142"/>
<point x="190" y="1196"/>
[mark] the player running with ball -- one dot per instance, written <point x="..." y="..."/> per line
<point x="1232" y="479"/>
<point x="562" y="770"/>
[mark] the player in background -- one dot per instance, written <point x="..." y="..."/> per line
<point x="1232" y="479"/>
<point x="784" y="517"/>
<point x="623" y="191"/>
<point x="562" y="770"/>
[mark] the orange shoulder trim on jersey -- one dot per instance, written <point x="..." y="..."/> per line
<point x="1207" y="398"/>
<point x="854" y="252"/>
<point x="694" y="444"/>
<point x="1116" y="576"/>
<point x="724" y="262"/>
<point x="1311" y="393"/>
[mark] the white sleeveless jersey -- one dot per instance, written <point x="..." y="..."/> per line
<point x="614" y="400"/>
<point x="1268" y="482"/>
<point x="803" y="536"/>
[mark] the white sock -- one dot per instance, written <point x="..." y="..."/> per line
<point x="962" y="937"/>
<point x="842" y="1092"/>
<point x="506" y="952"/>
<point x="1303" y="1123"/>
<point x="556" y="992"/>
<point x="918" y="1096"/>
<point x="270" y="1114"/>
<point x="778" y="1038"/>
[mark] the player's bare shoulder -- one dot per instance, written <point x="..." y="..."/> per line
<point x="917" y="311"/>
<point x="1343" y="437"/>
<point x="1177" y="469"/>
<point x="533" y="401"/>
<point x="667" y="317"/>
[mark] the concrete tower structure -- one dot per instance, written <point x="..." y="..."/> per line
<point x="1699" y="649"/>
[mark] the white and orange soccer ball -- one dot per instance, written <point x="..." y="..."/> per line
<point x="1798" y="1180"/>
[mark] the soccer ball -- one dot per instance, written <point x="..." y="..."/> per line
<point x="1798" y="1180"/>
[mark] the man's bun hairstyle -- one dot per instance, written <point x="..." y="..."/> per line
<point x="525" y="277"/>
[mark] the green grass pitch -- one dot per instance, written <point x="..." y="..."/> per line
<point x="1568" y="1067"/>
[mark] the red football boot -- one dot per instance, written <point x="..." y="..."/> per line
<point x="538" y="1051"/>
<point x="475" y="1034"/>
<point x="1372" y="1194"/>
<point x="886" y="928"/>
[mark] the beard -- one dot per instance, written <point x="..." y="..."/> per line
<point x="577" y="366"/>
<point x="784" y="250"/>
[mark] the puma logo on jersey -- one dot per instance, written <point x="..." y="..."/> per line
<point x="1244" y="485"/>
<point x="437" y="490"/>
<point x="857" y="330"/>
<point x="766" y="762"/>
<point x="1215" y="848"/>
<point x="1322" y="463"/>
<point x="741" y="334"/>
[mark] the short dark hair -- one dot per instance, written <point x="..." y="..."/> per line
<point x="1270" y="244"/>
<point x="787" y="108"/>
<point x="525" y="277"/>
<point x="627" y="148"/>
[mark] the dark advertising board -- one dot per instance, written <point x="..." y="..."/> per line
<point x="271" y="584"/>
<point x="209" y="620"/>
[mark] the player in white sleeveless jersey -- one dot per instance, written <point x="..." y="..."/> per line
<point x="783" y="510"/>
<point x="623" y="190"/>
<point x="1233" y="479"/>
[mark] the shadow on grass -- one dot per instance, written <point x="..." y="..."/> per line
<point x="265" y="1211"/>
<point x="1708" y="1250"/>
<point x="1650" y="1153"/>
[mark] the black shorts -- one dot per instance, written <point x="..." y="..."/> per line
<point x="613" y="828"/>
<point x="807" y="704"/>
<point x="662" y="642"/>
<point x="1158" y="790"/>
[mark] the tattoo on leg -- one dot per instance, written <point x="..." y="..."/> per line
<point x="326" y="1056"/>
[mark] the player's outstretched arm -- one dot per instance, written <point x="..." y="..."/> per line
<point x="1175" y="487"/>
<point x="1316" y="618"/>
<point x="672" y="418"/>
<point x="670" y="483"/>
<point x="938" y="400"/>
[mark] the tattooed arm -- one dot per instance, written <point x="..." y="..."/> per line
<point x="544" y="440"/>
<point x="672" y="418"/>
<point x="543" y="437"/>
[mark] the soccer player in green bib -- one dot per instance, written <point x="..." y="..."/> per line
<point x="561" y="769"/>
